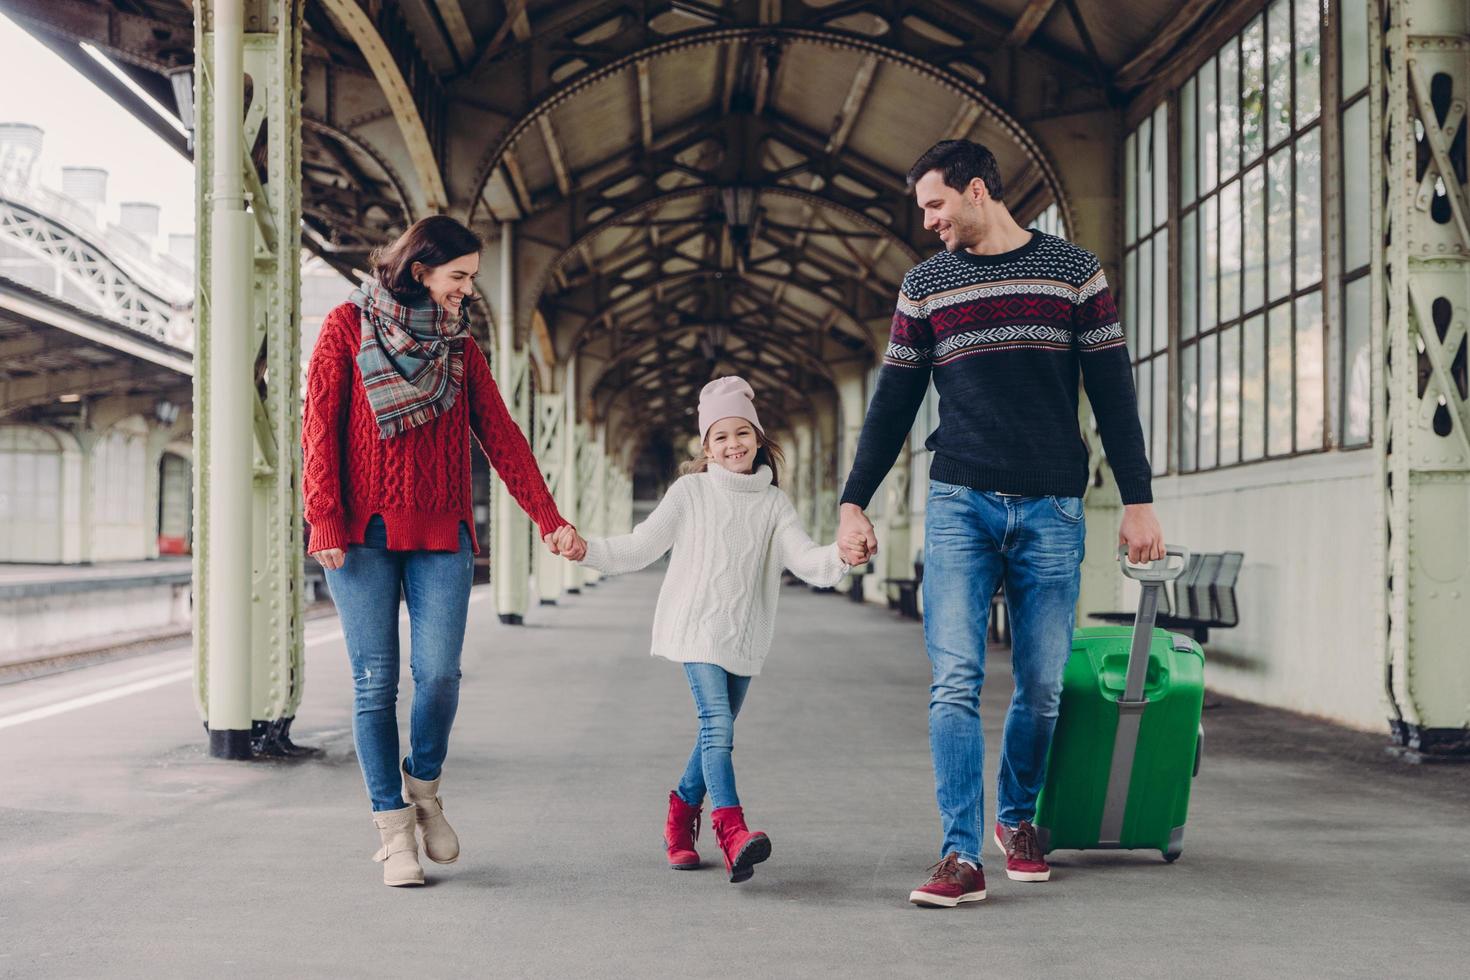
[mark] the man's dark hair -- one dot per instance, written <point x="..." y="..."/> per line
<point x="433" y="241"/>
<point x="959" y="162"/>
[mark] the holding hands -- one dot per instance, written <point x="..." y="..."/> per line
<point x="566" y="542"/>
<point x="856" y="541"/>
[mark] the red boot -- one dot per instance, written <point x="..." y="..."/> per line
<point x="681" y="830"/>
<point x="743" y="849"/>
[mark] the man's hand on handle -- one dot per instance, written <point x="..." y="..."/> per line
<point x="855" y="538"/>
<point x="1141" y="534"/>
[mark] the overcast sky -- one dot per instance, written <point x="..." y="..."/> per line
<point x="85" y="127"/>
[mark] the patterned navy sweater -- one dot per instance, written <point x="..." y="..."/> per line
<point x="1005" y="337"/>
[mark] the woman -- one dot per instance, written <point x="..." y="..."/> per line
<point x="393" y="390"/>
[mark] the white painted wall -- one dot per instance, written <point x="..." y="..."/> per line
<point x="124" y="514"/>
<point x="1310" y="631"/>
<point x="32" y="469"/>
<point x="1310" y="593"/>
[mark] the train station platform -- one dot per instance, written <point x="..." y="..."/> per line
<point x="128" y="852"/>
<point x="56" y="612"/>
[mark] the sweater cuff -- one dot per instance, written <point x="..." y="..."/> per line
<point x="596" y="557"/>
<point x="854" y="493"/>
<point x="328" y="531"/>
<point x="1135" y="489"/>
<point x="546" y="517"/>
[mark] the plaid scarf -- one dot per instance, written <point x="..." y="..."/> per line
<point x="411" y="359"/>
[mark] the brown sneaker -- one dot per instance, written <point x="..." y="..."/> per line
<point x="1024" y="860"/>
<point x="951" y="882"/>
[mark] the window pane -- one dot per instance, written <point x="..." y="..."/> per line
<point x="1229" y="109"/>
<point x="1188" y="405"/>
<point x="1308" y="208"/>
<point x="1253" y="190"/>
<point x="1208" y="131"/>
<point x="1143" y="376"/>
<point x="1145" y="177"/>
<point x="1130" y="190"/>
<point x="1278" y="72"/>
<point x="1161" y="289"/>
<point x="1278" y="382"/>
<point x="1145" y="300"/>
<point x="1355" y="191"/>
<point x="1230" y="395"/>
<point x="1130" y="301"/>
<point x="1161" y="163"/>
<point x="1230" y="251"/>
<point x="1252" y="90"/>
<point x="1210" y="262"/>
<point x="1308" y="62"/>
<point x="1253" y="390"/>
<point x="1187" y="143"/>
<point x="1159" y="453"/>
<point x="1357" y="371"/>
<point x="1309" y="366"/>
<point x="1354" y="16"/>
<point x="1278" y="224"/>
<point x="1188" y="275"/>
<point x="1208" y="402"/>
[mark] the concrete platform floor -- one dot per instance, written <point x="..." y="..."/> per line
<point x="126" y="852"/>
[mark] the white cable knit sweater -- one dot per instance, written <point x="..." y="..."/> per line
<point x="732" y="533"/>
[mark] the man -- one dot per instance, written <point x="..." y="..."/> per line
<point x="1004" y="319"/>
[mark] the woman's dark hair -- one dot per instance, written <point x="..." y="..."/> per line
<point x="433" y="241"/>
<point x="959" y="162"/>
<point x="767" y="453"/>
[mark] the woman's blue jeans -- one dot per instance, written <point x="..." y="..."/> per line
<point x="366" y="590"/>
<point x="718" y="695"/>
<point x="973" y="541"/>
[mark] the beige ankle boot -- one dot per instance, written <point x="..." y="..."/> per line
<point x="441" y="843"/>
<point x="400" y="851"/>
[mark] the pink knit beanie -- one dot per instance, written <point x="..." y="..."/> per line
<point x="724" y="398"/>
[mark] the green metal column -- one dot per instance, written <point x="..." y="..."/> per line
<point x="592" y="475"/>
<point x="511" y="528"/>
<point x="851" y="406"/>
<point x="247" y="436"/>
<point x="823" y="528"/>
<point x="1423" y="441"/>
<point x="571" y="481"/>
<point x="1101" y="585"/>
<point x="800" y="487"/>
<point x="550" y="434"/>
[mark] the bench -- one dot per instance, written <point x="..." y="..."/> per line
<point x="1203" y="597"/>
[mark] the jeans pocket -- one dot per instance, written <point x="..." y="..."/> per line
<point x="939" y="490"/>
<point x="1068" y="508"/>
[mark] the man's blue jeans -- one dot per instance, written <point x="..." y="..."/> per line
<point x="436" y="585"/>
<point x="718" y="695"/>
<point x="974" y="540"/>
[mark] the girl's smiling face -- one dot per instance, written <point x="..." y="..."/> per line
<point x="732" y="443"/>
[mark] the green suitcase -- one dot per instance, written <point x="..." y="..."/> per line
<point x="1128" y="739"/>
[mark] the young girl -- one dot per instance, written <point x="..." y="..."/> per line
<point x="732" y="531"/>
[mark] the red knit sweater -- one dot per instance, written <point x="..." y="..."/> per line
<point x="418" y="481"/>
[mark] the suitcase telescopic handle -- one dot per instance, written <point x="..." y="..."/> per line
<point x="1161" y="570"/>
<point x="1152" y="576"/>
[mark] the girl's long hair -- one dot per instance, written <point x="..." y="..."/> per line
<point x="767" y="453"/>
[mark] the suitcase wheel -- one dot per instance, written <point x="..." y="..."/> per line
<point x="1176" y="845"/>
